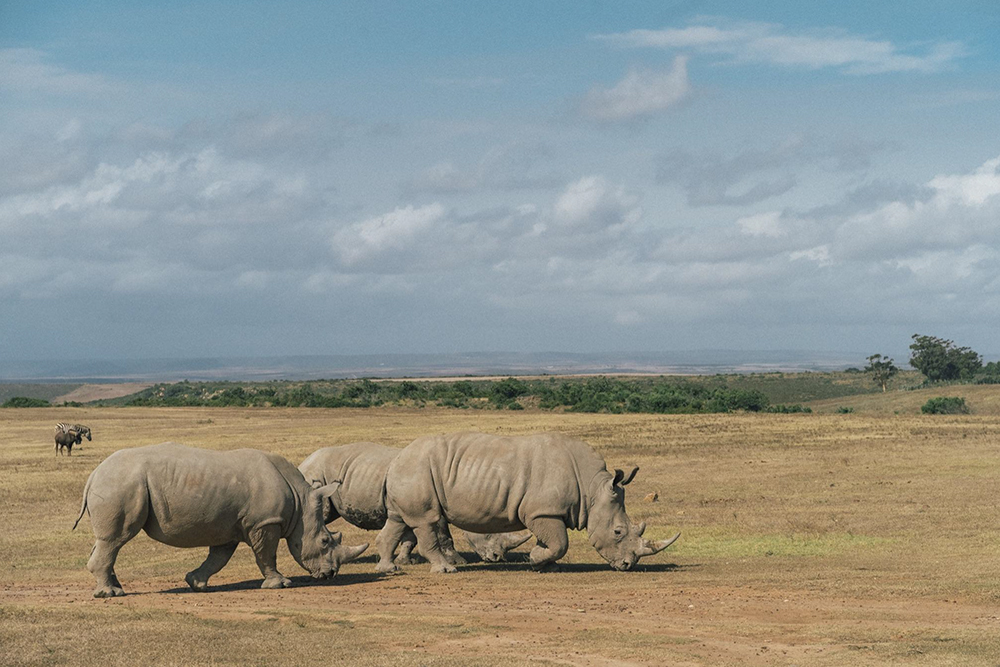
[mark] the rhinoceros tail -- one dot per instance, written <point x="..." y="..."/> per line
<point x="83" y="506"/>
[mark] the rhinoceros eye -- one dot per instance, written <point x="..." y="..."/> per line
<point x="619" y="533"/>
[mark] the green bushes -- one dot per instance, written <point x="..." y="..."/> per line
<point x="945" y="405"/>
<point x="659" y="395"/>
<point x="25" y="402"/>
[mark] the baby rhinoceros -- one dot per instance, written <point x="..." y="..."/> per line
<point x="360" y="499"/>
<point x="188" y="497"/>
<point x="487" y="483"/>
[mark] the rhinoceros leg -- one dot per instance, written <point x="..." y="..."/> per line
<point x="116" y="518"/>
<point x="406" y="546"/>
<point x="264" y="542"/>
<point x="387" y="541"/>
<point x="430" y="548"/>
<point x="102" y="566"/>
<point x="447" y="543"/>
<point x="217" y="559"/>
<point x="552" y="542"/>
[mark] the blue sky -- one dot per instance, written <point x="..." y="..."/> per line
<point x="208" y="178"/>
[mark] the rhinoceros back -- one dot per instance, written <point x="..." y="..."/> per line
<point x="199" y="497"/>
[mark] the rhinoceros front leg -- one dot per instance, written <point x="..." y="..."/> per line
<point x="387" y="541"/>
<point x="264" y="542"/>
<point x="217" y="559"/>
<point x="102" y="566"/>
<point x="552" y="542"/>
<point x="406" y="545"/>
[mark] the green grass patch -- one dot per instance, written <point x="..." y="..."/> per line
<point x="718" y="544"/>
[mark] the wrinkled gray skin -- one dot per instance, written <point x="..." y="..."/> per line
<point x="487" y="483"/>
<point x="361" y="468"/>
<point x="188" y="497"/>
<point x="67" y="436"/>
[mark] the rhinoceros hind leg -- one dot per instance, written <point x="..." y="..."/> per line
<point x="102" y="566"/>
<point x="427" y="540"/>
<point x="447" y="544"/>
<point x="552" y="542"/>
<point x="218" y="556"/>
<point x="406" y="546"/>
<point x="264" y="542"/>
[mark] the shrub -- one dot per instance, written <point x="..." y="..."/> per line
<point x="842" y="410"/>
<point x="945" y="405"/>
<point x="939" y="359"/>
<point x="25" y="402"/>
<point x="788" y="409"/>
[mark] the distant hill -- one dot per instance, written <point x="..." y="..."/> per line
<point x="696" y="362"/>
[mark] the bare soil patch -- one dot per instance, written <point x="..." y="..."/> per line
<point x="96" y="392"/>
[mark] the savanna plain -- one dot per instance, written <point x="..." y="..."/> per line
<point x="813" y="539"/>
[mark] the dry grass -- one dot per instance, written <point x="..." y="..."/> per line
<point x="868" y="538"/>
<point x="983" y="399"/>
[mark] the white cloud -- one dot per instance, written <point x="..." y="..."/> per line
<point x="592" y="202"/>
<point x="26" y="70"/>
<point x="639" y="94"/>
<point x="391" y="231"/>
<point x="762" y="224"/>
<point x="777" y="45"/>
<point x="970" y="189"/>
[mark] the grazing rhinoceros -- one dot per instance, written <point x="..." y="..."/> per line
<point x="67" y="436"/>
<point x="487" y="483"/>
<point x="360" y="500"/>
<point x="188" y="497"/>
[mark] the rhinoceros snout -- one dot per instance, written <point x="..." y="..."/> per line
<point x="623" y="565"/>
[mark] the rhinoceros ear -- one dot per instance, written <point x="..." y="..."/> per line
<point x="325" y="492"/>
<point x="623" y="478"/>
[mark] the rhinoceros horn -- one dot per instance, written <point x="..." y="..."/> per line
<point x="347" y="554"/>
<point x="649" y="548"/>
<point x="513" y="541"/>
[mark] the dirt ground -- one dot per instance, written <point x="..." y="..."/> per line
<point x="806" y="539"/>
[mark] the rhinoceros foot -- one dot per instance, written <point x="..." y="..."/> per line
<point x="443" y="568"/>
<point x="546" y="567"/>
<point x="277" y="582"/>
<point x="196" y="584"/>
<point x="387" y="568"/>
<point x="455" y="558"/>
<point x="109" y="592"/>
<point x="407" y="559"/>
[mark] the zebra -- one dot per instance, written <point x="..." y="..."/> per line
<point x="67" y="436"/>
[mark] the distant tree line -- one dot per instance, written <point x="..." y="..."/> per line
<point x="598" y="394"/>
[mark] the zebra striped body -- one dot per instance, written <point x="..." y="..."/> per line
<point x="67" y="436"/>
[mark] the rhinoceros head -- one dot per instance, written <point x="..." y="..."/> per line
<point x="612" y="533"/>
<point x="315" y="548"/>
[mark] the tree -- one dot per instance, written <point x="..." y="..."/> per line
<point x="940" y="359"/>
<point x="882" y="370"/>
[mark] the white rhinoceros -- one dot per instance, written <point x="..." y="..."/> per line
<point x="488" y="483"/>
<point x="188" y="497"/>
<point x="361" y="468"/>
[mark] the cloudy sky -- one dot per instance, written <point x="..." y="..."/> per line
<point x="268" y="178"/>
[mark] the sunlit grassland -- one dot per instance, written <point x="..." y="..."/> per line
<point x="864" y="523"/>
